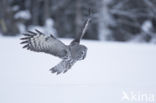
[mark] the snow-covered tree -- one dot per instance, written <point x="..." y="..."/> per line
<point x="132" y="17"/>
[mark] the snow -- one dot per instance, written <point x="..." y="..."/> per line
<point x="21" y="27"/>
<point x="147" y="25"/>
<point x="25" y="14"/>
<point x="109" y="68"/>
<point x="49" y="26"/>
<point x="15" y="8"/>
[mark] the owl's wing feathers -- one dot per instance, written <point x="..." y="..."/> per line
<point x="63" y="66"/>
<point x="83" y="31"/>
<point x="39" y="42"/>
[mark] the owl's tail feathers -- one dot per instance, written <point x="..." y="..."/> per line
<point x="62" y="67"/>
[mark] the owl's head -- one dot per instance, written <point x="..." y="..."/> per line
<point x="78" y="52"/>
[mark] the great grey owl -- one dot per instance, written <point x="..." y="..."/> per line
<point x="39" y="42"/>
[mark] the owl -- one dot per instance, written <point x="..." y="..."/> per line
<point x="70" y="54"/>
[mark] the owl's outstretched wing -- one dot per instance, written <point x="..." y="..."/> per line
<point x="84" y="29"/>
<point x="39" y="42"/>
<point x="63" y="66"/>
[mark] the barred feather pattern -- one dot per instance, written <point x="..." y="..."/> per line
<point x="70" y="54"/>
<point x="63" y="66"/>
<point x="39" y="42"/>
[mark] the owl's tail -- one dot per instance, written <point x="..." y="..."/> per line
<point x="63" y="66"/>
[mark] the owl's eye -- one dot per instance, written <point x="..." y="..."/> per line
<point x="82" y="52"/>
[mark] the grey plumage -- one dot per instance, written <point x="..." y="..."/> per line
<point x="43" y="43"/>
<point x="70" y="54"/>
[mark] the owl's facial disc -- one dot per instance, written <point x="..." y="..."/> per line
<point x="82" y="52"/>
<point x="78" y="52"/>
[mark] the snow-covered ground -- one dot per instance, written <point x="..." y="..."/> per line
<point x="109" y="69"/>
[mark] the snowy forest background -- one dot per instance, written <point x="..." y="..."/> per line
<point x="109" y="69"/>
<point x="115" y="20"/>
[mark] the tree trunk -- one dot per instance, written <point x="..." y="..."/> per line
<point x="35" y="12"/>
<point x="7" y="22"/>
<point x="78" y="17"/>
<point x="46" y="10"/>
<point x="104" y="21"/>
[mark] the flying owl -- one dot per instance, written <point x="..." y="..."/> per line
<point x="70" y="54"/>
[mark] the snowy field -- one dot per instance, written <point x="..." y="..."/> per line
<point x="109" y="69"/>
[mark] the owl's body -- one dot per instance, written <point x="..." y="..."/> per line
<point x="74" y="53"/>
<point x="39" y="42"/>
